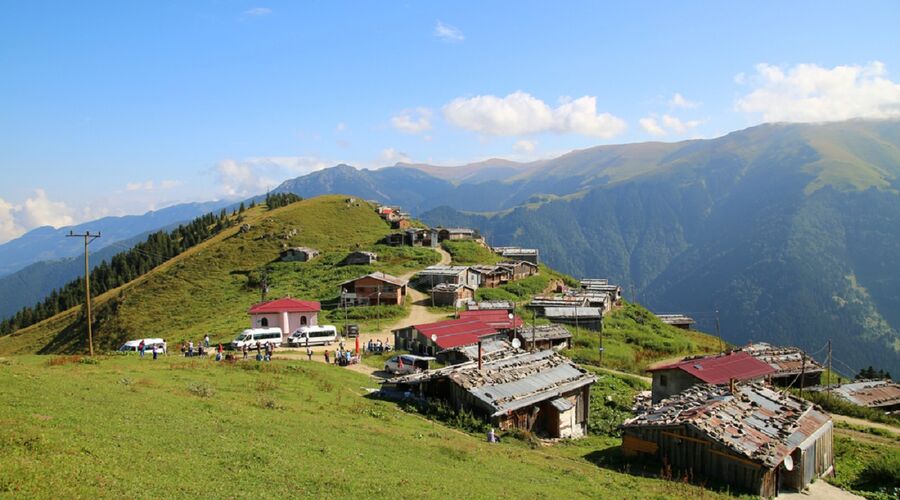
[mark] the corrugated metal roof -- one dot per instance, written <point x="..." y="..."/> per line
<point x="872" y="393"/>
<point x="573" y="312"/>
<point x="456" y="332"/>
<point x="380" y="276"/>
<point x="721" y="369"/>
<point x="544" y="332"/>
<point x="784" y="360"/>
<point x="756" y="422"/>
<point x="497" y="318"/>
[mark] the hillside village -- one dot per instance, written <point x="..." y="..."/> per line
<point x="441" y="320"/>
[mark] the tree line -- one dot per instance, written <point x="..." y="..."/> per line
<point x="124" y="267"/>
<point x="277" y="200"/>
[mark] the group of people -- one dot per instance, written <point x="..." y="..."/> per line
<point x="187" y="348"/>
<point x="263" y="351"/>
<point x="341" y="357"/>
<point x="378" y="346"/>
<point x="143" y="348"/>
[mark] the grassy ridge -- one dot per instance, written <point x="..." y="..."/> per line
<point x="179" y="427"/>
<point x="210" y="287"/>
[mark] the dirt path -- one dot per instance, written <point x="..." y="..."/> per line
<point x="865" y="423"/>
<point x="626" y="374"/>
<point x="823" y="490"/>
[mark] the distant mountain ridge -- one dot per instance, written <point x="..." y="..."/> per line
<point x="47" y="243"/>
<point x="790" y="230"/>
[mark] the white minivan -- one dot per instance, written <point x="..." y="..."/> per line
<point x="317" y="335"/>
<point x="251" y="336"/>
<point x="134" y="345"/>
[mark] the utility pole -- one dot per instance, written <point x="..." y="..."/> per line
<point x="264" y="285"/>
<point x="721" y="344"/>
<point x="88" y="238"/>
<point x="828" y="381"/>
<point x="533" y="328"/>
<point x="802" y="371"/>
<point x="601" y="338"/>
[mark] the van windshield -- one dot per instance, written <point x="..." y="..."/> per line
<point x="245" y="336"/>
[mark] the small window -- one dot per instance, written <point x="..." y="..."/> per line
<point x="264" y="322"/>
<point x="302" y="320"/>
<point x="663" y="380"/>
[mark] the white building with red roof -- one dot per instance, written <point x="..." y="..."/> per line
<point x="285" y="313"/>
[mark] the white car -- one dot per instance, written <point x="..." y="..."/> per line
<point x="134" y="345"/>
<point x="407" y="363"/>
<point x="251" y="336"/>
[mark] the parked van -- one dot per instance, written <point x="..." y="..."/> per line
<point x="318" y="335"/>
<point x="407" y="363"/>
<point x="251" y="336"/>
<point x="134" y="345"/>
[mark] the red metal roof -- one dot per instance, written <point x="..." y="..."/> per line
<point x="286" y="304"/>
<point x="498" y="318"/>
<point x="456" y="332"/>
<point x="721" y="369"/>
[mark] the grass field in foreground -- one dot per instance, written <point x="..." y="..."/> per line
<point x="181" y="427"/>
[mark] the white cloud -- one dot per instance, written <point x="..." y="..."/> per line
<point x="520" y="113"/>
<point x="36" y="211"/>
<point x="448" y="33"/>
<point x="811" y="93"/>
<point x="524" y="146"/>
<point x="392" y="156"/>
<point x="258" y="12"/>
<point x="679" y="101"/>
<point x="255" y="175"/>
<point x="170" y="184"/>
<point x="651" y="126"/>
<point x="666" y="124"/>
<point x="151" y="186"/>
<point x="340" y="127"/>
<point x="413" y="121"/>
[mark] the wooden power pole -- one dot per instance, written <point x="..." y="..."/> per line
<point x="88" y="238"/>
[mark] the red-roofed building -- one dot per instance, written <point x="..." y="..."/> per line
<point x="285" y="313"/>
<point x="498" y="318"/>
<point x="671" y="379"/>
<point x="433" y="337"/>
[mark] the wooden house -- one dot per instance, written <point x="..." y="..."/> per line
<point x="681" y="321"/>
<point x="540" y="337"/>
<point x="298" y="254"/>
<point x="490" y="349"/>
<point x="671" y="379"/>
<point x="881" y="395"/>
<point x="750" y="437"/>
<point x="285" y="313"/>
<point x="519" y="269"/>
<point x="421" y="237"/>
<point x="516" y="253"/>
<point x="401" y="223"/>
<point x="451" y="294"/>
<point x="359" y="258"/>
<point x="589" y="318"/>
<point x="456" y="234"/>
<point x="455" y="275"/>
<point x="490" y="276"/>
<point x="792" y="366"/>
<point x="602" y="285"/>
<point x="503" y="321"/>
<point x="373" y="289"/>
<point x="493" y="305"/>
<point x="395" y="239"/>
<point x="541" y="392"/>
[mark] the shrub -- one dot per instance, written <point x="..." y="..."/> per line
<point x="201" y="389"/>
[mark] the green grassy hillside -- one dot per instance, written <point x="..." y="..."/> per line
<point x="210" y="287"/>
<point x="124" y="427"/>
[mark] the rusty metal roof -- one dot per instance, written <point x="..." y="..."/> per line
<point x="756" y="422"/>
<point x="784" y="360"/>
<point x="721" y="369"/>
<point x="544" y="332"/>
<point x="872" y="393"/>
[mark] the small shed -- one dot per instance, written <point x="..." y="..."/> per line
<point x="681" y="321"/>
<point x="748" y="436"/>
<point x="590" y="318"/>
<point x="541" y="392"/>
<point x="359" y="258"/>
<point x="544" y="336"/>
<point x="298" y="254"/>
<point x="451" y="294"/>
<point x="671" y="379"/>
<point x="792" y="366"/>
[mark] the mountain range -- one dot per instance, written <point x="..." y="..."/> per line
<point x="790" y="231"/>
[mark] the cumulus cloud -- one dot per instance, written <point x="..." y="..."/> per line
<point x="524" y="146"/>
<point x="412" y="121"/>
<point x="448" y="33"/>
<point x="391" y="156"/>
<point x="811" y="93"/>
<point x="520" y="113"/>
<point x="151" y="186"/>
<point x="667" y="124"/>
<point x="340" y="127"/>
<point x="36" y="211"/>
<point x="679" y="101"/>
<point x="258" y="12"/>
<point x="255" y="175"/>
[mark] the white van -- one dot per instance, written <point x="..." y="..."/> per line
<point x="407" y="363"/>
<point x="251" y="336"/>
<point x="134" y="345"/>
<point x="317" y="335"/>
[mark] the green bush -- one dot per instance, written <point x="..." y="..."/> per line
<point x="469" y="252"/>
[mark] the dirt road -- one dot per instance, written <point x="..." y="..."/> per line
<point x="865" y="423"/>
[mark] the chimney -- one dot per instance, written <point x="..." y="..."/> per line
<point x="732" y="384"/>
<point x="479" y="355"/>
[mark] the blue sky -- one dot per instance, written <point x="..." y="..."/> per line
<point x="121" y="107"/>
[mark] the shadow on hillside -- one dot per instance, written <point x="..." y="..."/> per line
<point x="71" y="339"/>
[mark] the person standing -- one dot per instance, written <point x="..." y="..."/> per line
<point x="326" y="356"/>
<point x="206" y="341"/>
<point x="190" y="348"/>
<point x="244" y="350"/>
<point x="309" y="353"/>
<point x="141" y="348"/>
<point x="155" y="352"/>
